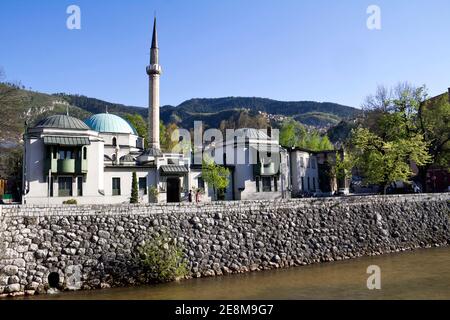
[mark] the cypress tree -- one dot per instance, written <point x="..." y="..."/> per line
<point x="134" y="190"/>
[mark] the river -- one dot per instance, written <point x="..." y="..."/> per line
<point x="422" y="274"/>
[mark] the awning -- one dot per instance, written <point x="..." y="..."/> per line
<point x="174" y="170"/>
<point x="66" y="141"/>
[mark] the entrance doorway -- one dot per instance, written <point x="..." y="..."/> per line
<point x="173" y="190"/>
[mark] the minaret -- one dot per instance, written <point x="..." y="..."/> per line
<point x="154" y="72"/>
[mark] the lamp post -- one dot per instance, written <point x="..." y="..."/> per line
<point x="49" y="185"/>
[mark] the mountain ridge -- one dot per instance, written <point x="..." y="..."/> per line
<point x="32" y="106"/>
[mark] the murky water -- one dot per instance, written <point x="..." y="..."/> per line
<point x="423" y="274"/>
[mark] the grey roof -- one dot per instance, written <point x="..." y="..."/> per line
<point x="173" y="169"/>
<point x="66" y="141"/>
<point x="62" y="122"/>
<point x="254" y="134"/>
<point x="152" y="152"/>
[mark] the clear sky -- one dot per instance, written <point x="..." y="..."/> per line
<point x="316" y="50"/>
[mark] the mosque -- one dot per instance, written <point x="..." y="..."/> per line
<point x="93" y="161"/>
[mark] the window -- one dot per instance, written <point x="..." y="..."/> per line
<point x="65" y="185"/>
<point x="258" y="189"/>
<point x="114" y="142"/>
<point x="80" y="187"/>
<point x="308" y="161"/>
<point x="313" y="163"/>
<point x="267" y="184"/>
<point x="66" y="154"/>
<point x="309" y="184"/>
<point x="116" y="186"/>
<point x="200" y="183"/>
<point x="143" y="185"/>
<point x="302" y="162"/>
<point x="85" y="153"/>
<point x="314" y="184"/>
<point x="303" y="183"/>
<point x="275" y="183"/>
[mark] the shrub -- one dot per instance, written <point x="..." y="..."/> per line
<point x="71" y="202"/>
<point x="162" y="260"/>
<point x="153" y="194"/>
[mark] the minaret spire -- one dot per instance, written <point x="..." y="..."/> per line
<point x="154" y="73"/>
<point x="155" y="36"/>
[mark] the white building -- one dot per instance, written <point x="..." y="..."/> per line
<point x="304" y="172"/>
<point x="93" y="162"/>
<point x="257" y="163"/>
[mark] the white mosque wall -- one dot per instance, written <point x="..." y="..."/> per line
<point x="126" y="143"/>
<point x="35" y="181"/>
<point x="126" y="177"/>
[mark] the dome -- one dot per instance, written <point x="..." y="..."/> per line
<point x="127" y="158"/>
<point x="106" y="122"/>
<point x="62" y="122"/>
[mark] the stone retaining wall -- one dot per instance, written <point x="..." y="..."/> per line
<point x="88" y="247"/>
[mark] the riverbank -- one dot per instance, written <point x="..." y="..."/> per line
<point x="92" y="247"/>
<point x="420" y="274"/>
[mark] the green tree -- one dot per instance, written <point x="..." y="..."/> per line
<point x="134" y="190"/>
<point x="405" y="112"/>
<point x="215" y="176"/>
<point x="138" y="122"/>
<point x="294" y="134"/>
<point x="325" y="144"/>
<point x="162" y="134"/>
<point x="434" y="124"/>
<point x="384" y="161"/>
<point x="343" y="166"/>
<point x="291" y="133"/>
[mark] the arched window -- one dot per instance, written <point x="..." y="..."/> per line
<point x="114" y="142"/>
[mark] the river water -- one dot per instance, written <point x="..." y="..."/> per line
<point x="422" y="274"/>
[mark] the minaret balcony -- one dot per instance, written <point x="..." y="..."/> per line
<point x="154" y="69"/>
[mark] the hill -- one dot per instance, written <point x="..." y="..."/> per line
<point x="19" y="105"/>
<point x="212" y="111"/>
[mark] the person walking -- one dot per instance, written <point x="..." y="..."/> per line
<point x="197" y="195"/>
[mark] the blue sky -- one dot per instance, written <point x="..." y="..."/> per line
<point x="281" y="49"/>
